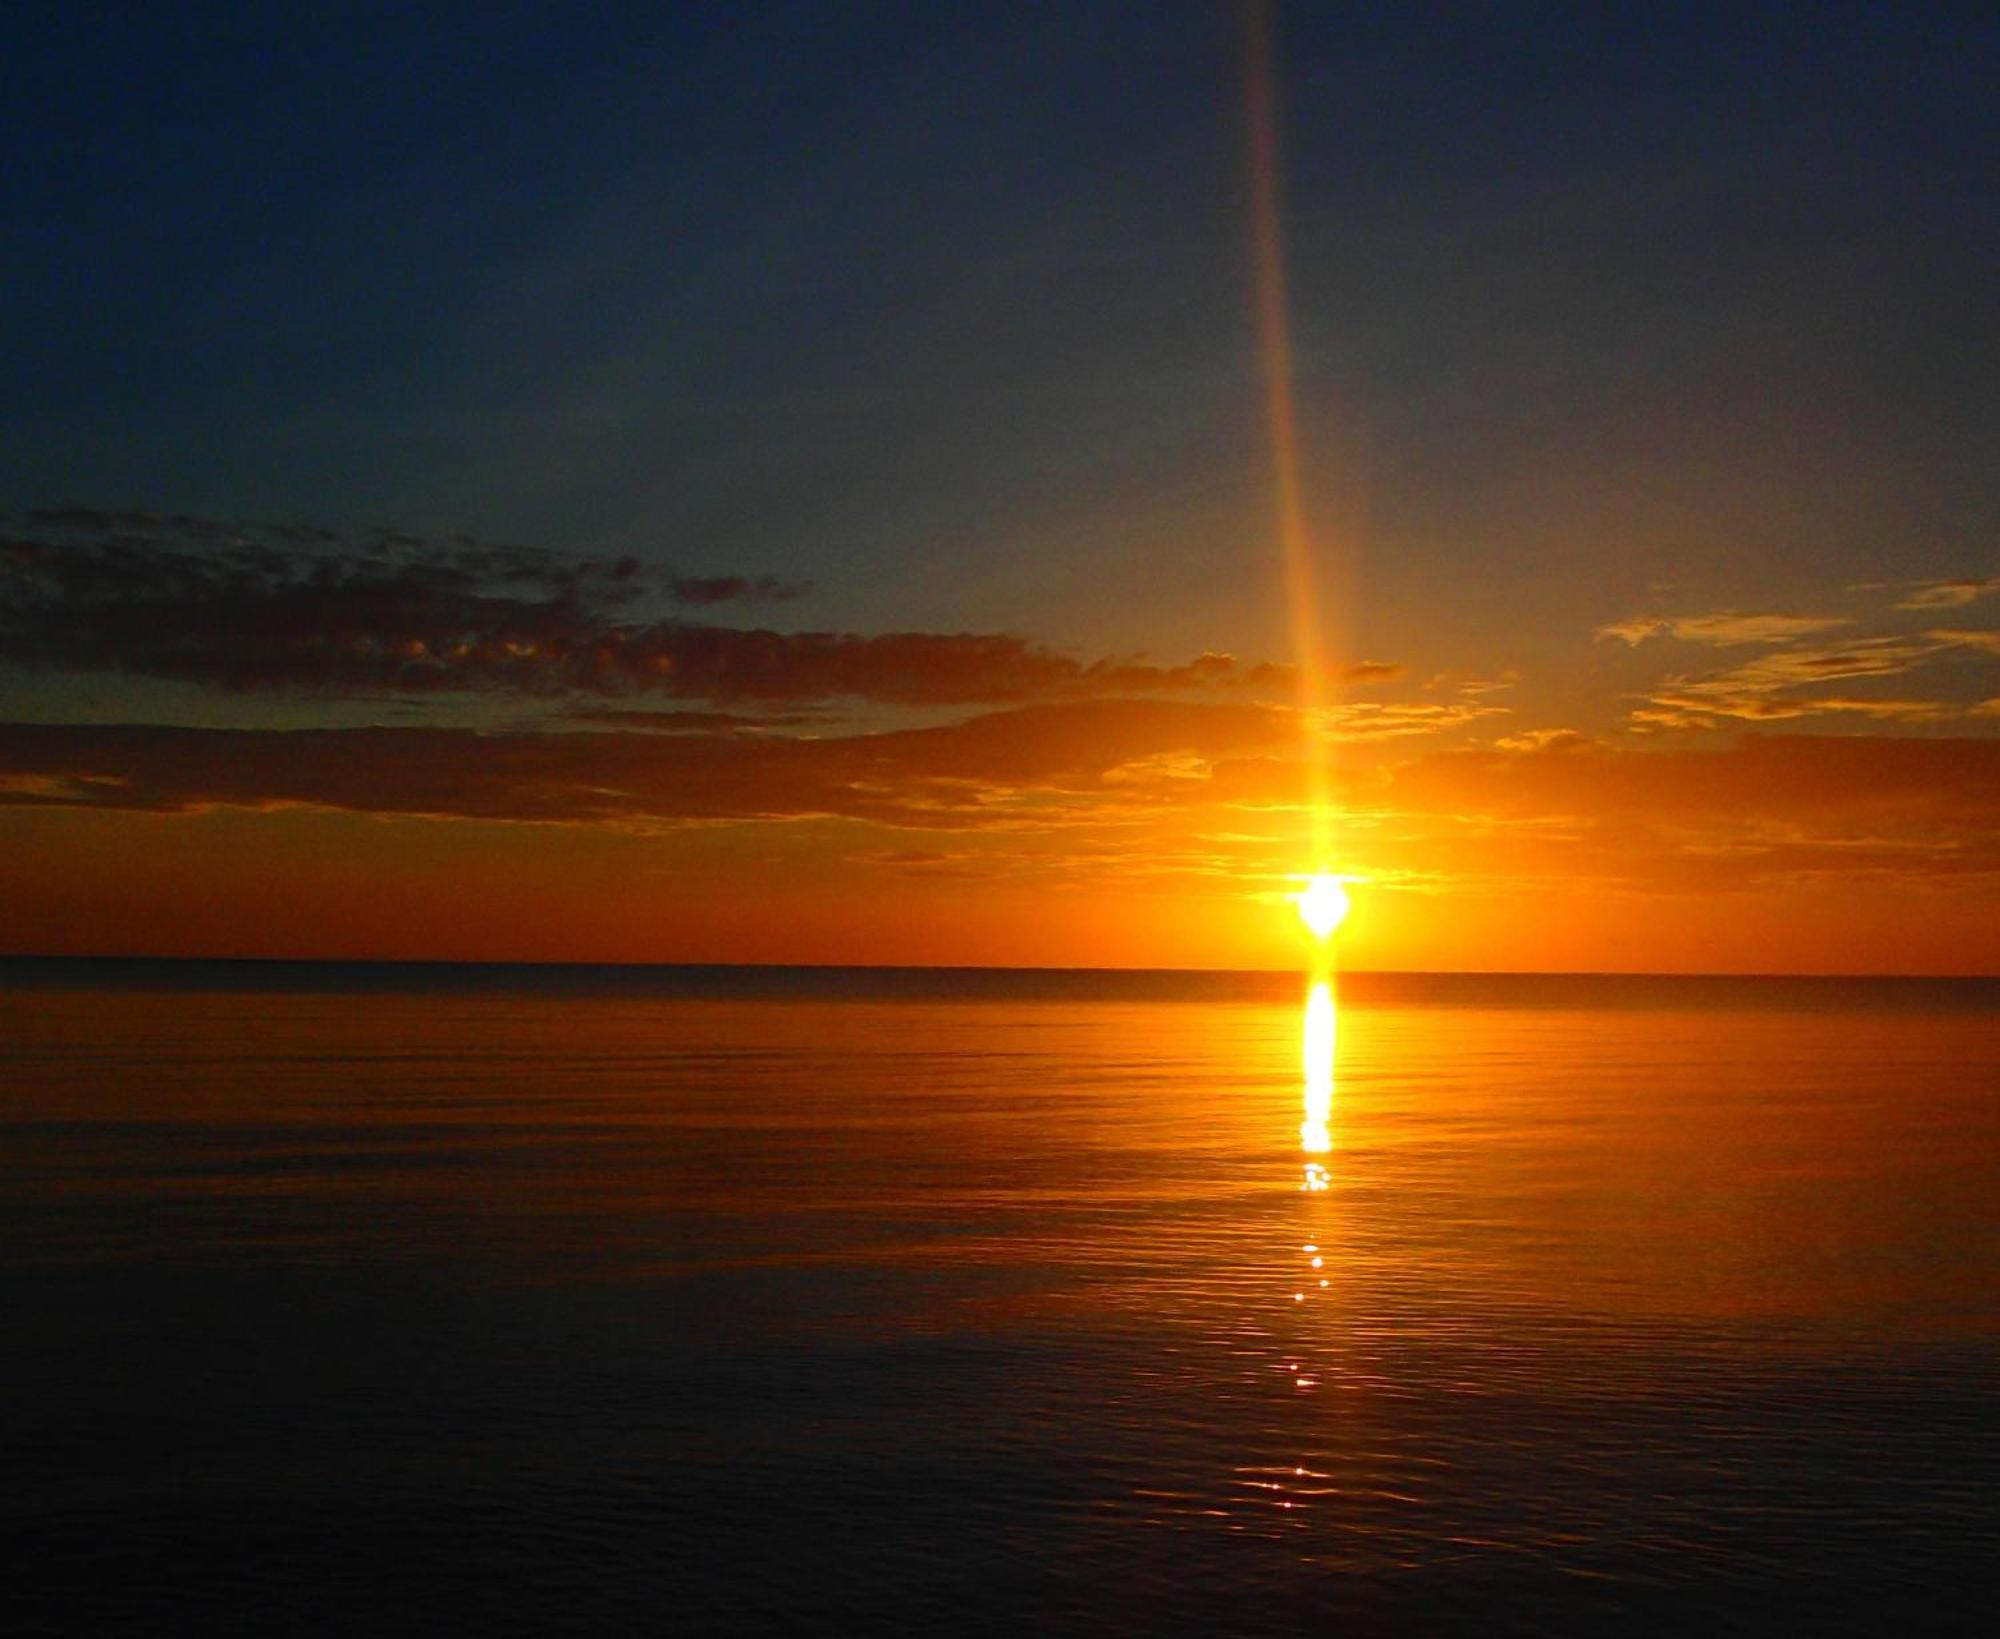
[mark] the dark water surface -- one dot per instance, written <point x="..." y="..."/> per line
<point x="342" y="1299"/>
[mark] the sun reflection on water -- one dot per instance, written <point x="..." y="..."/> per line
<point x="1309" y="1294"/>
<point x="1299" y="1487"/>
<point x="1315" y="1135"/>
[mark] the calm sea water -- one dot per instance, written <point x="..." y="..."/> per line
<point x="346" y="1299"/>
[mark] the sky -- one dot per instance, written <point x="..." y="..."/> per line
<point x="796" y="483"/>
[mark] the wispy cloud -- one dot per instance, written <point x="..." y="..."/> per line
<point x="1818" y="664"/>
<point x="1982" y="642"/>
<point x="1792" y="682"/>
<point x="1949" y="594"/>
<point x="1397" y="720"/>
<point x="1684" y="711"/>
<point x="1723" y="630"/>
<point x="1547" y="739"/>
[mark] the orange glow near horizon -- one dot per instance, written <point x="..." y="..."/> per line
<point x="302" y="883"/>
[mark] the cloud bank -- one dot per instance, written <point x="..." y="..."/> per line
<point x="1147" y="785"/>
<point x="276" y="608"/>
<point x="978" y="772"/>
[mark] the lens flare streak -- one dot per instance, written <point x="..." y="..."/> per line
<point x="1273" y="316"/>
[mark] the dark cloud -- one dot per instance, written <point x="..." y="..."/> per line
<point x="1273" y="674"/>
<point x="246" y="609"/>
<point x="707" y="589"/>
<point x="962" y="775"/>
<point x="687" y="722"/>
<point x="1164" y="779"/>
<point x="244" y="614"/>
<point x="1083" y="746"/>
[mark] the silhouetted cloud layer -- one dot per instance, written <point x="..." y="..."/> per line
<point x="1131" y="786"/>
<point x="970" y="773"/>
<point x="273" y="608"/>
<point x="660" y="721"/>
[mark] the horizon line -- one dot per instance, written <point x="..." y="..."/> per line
<point x="15" y="957"/>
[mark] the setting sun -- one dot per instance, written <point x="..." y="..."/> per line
<point x="1323" y="905"/>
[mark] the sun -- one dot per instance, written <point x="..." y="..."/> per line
<point x="1322" y="905"/>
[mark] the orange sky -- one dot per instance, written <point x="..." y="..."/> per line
<point x="1027" y="491"/>
<point x="1113" y="833"/>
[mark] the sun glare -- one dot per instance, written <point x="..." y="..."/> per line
<point x="1314" y="1135"/>
<point x="1323" y="905"/>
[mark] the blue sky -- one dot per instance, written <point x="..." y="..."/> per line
<point x="944" y="308"/>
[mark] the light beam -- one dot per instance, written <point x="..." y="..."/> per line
<point x="1267" y="242"/>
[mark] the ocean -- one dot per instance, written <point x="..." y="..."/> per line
<point x="348" y="1298"/>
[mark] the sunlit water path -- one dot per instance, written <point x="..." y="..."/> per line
<point x="1672" y="1306"/>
